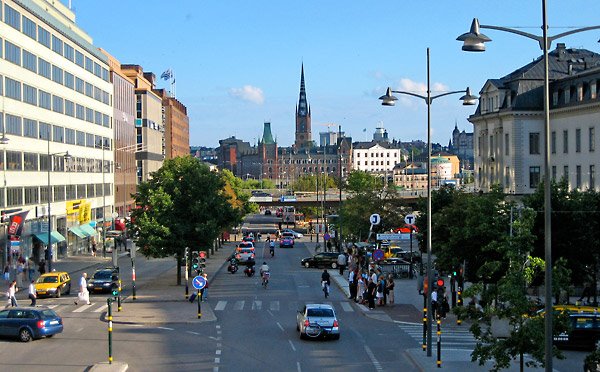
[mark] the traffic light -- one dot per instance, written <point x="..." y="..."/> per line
<point x="195" y="260"/>
<point x="202" y="256"/>
<point x="440" y="282"/>
<point x="186" y="254"/>
<point x="115" y="291"/>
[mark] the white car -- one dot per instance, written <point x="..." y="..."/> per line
<point x="315" y="320"/>
<point x="296" y="235"/>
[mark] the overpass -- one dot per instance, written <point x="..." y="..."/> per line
<point x="331" y="199"/>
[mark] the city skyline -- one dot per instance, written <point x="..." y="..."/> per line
<point x="245" y="66"/>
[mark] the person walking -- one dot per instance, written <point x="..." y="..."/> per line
<point x="93" y="247"/>
<point x="84" y="294"/>
<point x="352" y="284"/>
<point x="390" y="289"/>
<point x="371" y="293"/>
<point x="342" y="260"/>
<point x="204" y="291"/>
<point x="6" y="273"/>
<point x="32" y="293"/>
<point x="361" y="287"/>
<point x="42" y="267"/>
<point x="379" y="294"/>
<point x="11" y="294"/>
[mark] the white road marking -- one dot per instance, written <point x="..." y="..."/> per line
<point x="280" y="327"/>
<point x="101" y="309"/>
<point x="165" y="328"/>
<point x="292" y="345"/>
<point x="375" y="362"/>
<point x="134" y="325"/>
<point x="218" y="326"/>
<point x="218" y="352"/>
<point x="214" y="338"/>
<point x="52" y="306"/>
<point x="347" y="307"/>
<point x="239" y="305"/>
<point x="220" y="305"/>
<point x="256" y="305"/>
<point x="298" y="367"/>
<point x="194" y="333"/>
<point x="81" y="308"/>
<point x="80" y="329"/>
<point x="274" y="306"/>
<point x="217" y="360"/>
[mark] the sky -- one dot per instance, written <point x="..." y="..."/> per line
<point x="237" y="62"/>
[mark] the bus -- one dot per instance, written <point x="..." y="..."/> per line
<point x="289" y="215"/>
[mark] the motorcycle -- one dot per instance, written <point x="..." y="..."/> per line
<point x="249" y="270"/>
<point x="233" y="266"/>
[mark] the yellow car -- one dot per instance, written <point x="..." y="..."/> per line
<point x="53" y="284"/>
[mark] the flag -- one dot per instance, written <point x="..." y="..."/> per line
<point x="167" y="74"/>
<point x="16" y="223"/>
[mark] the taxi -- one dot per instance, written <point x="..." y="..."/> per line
<point x="54" y="284"/>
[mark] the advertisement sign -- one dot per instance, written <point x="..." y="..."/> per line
<point x="16" y="223"/>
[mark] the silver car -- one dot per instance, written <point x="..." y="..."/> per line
<point x="315" y="320"/>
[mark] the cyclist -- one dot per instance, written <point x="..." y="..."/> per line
<point x="264" y="273"/>
<point x="272" y="248"/>
<point x="325" y="282"/>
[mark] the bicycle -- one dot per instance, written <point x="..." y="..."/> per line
<point x="325" y="288"/>
<point x="265" y="279"/>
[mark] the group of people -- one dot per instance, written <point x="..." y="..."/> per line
<point x="22" y="270"/>
<point x="372" y="288"/>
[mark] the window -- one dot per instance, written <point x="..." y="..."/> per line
<point x="507" y="177"/>
<point x="592" y="139"/>
<point x="534" y="177"/>
<point x="105" y="74"/>
<point x="89" y="140"/>
<point x="580" y="93"/>
<point x="97" y="70"/>
<point x="30" y="61"/>
<point x="80" y="112"/>
<point x="534" y="143"/>
<point x="554" y="172"/>
<point x="71" y="193"/>
<point x="58" y="134"/>
<point x="91" y="191"/>
<point x="578" y="176"/>
<point x="565" y="141"/>
<point x="89" y="89"/>
<point x="70" y="136"/>
<point x="30" y="94"/>
<point x="43" y="36"/>
<point x="14" y="196"/>
<point x="57" y="45"/>
<point x="29" y="28"/>
<point x="593" y="93"/>
<point x="14" y="160"/>
<point x="98" y="142"/>
<point x="12" y="53"/>
<point x="58" y="104"/>
<point x="13" y="89"/>
<point x="81" y="191"/>
<point x="59" y="191"/>
<point x="80" y="138"/>
<point x="69" y="80"/>
<point x="105" y="121"/>
<point x="69" y="52"/>
<point x="30" y="128"/>
<point x="79" y="85"/>
<point x="553" y="143"/>
<point x="30" y="161"/>
<point x="57" y="74"/>
<point x="12" y="17"/>
<point x="89" y="115"/>
<point x="14" y="125"/>
<point x="97" y="94"/>
<point x="44" y="168"/>
<point x="566" y="173"/>
<point x="554" y="98"/>
<point x="45" y="100"/>
<point x="69" y="108"/>
<point x="592" y="176"/>
<point x="79" y="58"/>
<point x="32" y="195"/>
<point x="44" y="133"/>
<point x="89" y="64"/>
<point x="44" y="68"/>
<point x="98" y="117"/>
<point x="506" y="144"/>
<point x="577" y="140"/>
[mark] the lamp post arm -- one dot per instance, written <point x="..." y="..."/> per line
<point x="540" y="39"/>
<point x="425" y="98"/>
<point x="410" y="94"/>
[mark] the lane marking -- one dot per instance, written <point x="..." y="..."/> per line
<point x="257" y="305"/>
<point x="292" y="345"/>
<point x="80" y="329"/>
<point x="133" y="325"/>
<point x="298" y="367"/>
<point x="52" y="306"/>
<point x="101" y="309"/>
<point x="81" y="309"/>
<point x="274" y="306"/>
<point x="280" y="327"/>
<point x="218" y="352"/>
<point x="375" y="362"/>
<point x="239" y="305"/>
<point x="194" y="333"/>
<point x="220" y="305"/>
<point x="217" y="360"/>
<point x="165" y="328"/>
<point x="218" y="326"/>
<point x="347" y="307"/>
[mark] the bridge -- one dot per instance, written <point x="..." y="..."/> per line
<point x="332" y="199"/>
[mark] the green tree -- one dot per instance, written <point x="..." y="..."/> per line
<point x="184" y="204"/>
<point x="361" y="182"/>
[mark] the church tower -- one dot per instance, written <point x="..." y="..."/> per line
<point x="303" y="130"/>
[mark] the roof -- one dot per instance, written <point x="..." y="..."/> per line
<point x="368" y="145"/>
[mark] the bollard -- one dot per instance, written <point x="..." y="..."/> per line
<point x="119" y="308"/>
<point x="439" y="342"/>
<point x="199" y="306"/>
<point x="133" y="278"/>
<point x="460" y="303"/>
<point x="424" y="323"/>
<point x="109" y="302"/>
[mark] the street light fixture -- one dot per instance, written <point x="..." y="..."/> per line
<point x="474" y="41"/>
<point x="389" y="100"/>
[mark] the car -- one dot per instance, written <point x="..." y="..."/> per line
<point x="248" y="238"/>
<point x="295" y="234"/>
<point x="584" y="332"/>
<point x="267" y="212"/>
<point x="246" y="245"/>
<point x="28" y="323"/>
<point x="54" y="284"/>
<point x="316" y="320"/>
<point x="104" y="281"/>
<point x="322" y="259"/>
<point x="244" y="254"/>
<point x="286" y="241"/>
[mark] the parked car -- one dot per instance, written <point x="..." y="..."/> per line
<point x="286" y="241"/>
<point x="323" y="259"/>
<point x="104" y="280"/>
<point x="317" y="320"/>
<point x="55" y="284"/>
<point x="295" y="234"/>
<point x="29" y="323"/>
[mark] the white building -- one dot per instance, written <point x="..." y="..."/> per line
<point x="509" y="124"/>
<point x="56" y="97"/>
<point x="376" y="157"/>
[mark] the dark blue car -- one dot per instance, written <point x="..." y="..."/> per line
<point x="29" y="323"/>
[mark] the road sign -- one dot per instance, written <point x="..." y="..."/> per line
<point x="410" y="219"/>
<point x="390" y="237"/>
<point x="199" y="282"/>
<point x="375" y="219"/>
<point x="326" y="236"/>
<point x="378" y="255"/>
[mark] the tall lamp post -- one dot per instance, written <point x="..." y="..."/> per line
<point x="473" y="41"/>
<point x="66" y="156"/>
<point x="4" y="141"/>
<point x="389" y="100"/>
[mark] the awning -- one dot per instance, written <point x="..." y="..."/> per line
<point x="88" y="230"/>
<point x="77" y="231"/>
<point x="55" y="237"/>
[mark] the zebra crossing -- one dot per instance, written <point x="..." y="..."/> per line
<point x="70" y="308"/>
<point x="453" y="337"/>
<point x="275" y="305"/>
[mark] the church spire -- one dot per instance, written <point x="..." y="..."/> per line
<point x="302" y="104"/>
<point x="303" y="116"/>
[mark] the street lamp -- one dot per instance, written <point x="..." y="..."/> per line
<point x="4" y="141"/>
<point x="389" y="100"/>
<point x="474" y="41"/>
<point x="66" y="156"/>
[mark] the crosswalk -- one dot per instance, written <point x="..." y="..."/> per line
<point x="70" y="308"/>
<point x="275" y="305"/>
<point x="453" y="337"/>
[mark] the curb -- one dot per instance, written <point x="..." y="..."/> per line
<point x="105" y="366"/>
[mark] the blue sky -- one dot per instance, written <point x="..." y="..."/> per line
<point x="237" y="63"/>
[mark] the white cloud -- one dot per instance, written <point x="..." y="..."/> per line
<point x="248" y="93"/>
<point x="420" y="88"/>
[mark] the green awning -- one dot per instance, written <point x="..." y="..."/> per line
<point x="55" y="237"/>
<point x="77" y="231"/>
<point x="88" y="230"/>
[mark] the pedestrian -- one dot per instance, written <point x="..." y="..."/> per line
<point x="390" y="289"/>
<point x="342" y="261"/>
<point x="84" y="294"/>
<point x="11" y="293"/>
<point x="42" y="267"/>
<point x="32" y="293"/>
<point x="380" y="289"/>
<point x="360" y="288"/>
<point x="6" y="273"/>
<point x="434" y="303"/>
<point x="325" y="282"/>
<point x="353" y="284"/>
<point x="371" y="293"/>
<point x="204" y="291"/>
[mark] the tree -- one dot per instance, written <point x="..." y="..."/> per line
<point x="361" y="182"/>
<point x="184" y="204"/>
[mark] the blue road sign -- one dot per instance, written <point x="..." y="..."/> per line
<point x="378" y="255"/>
<point x="326" y="237"/>
<point x="199" y="282"/>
